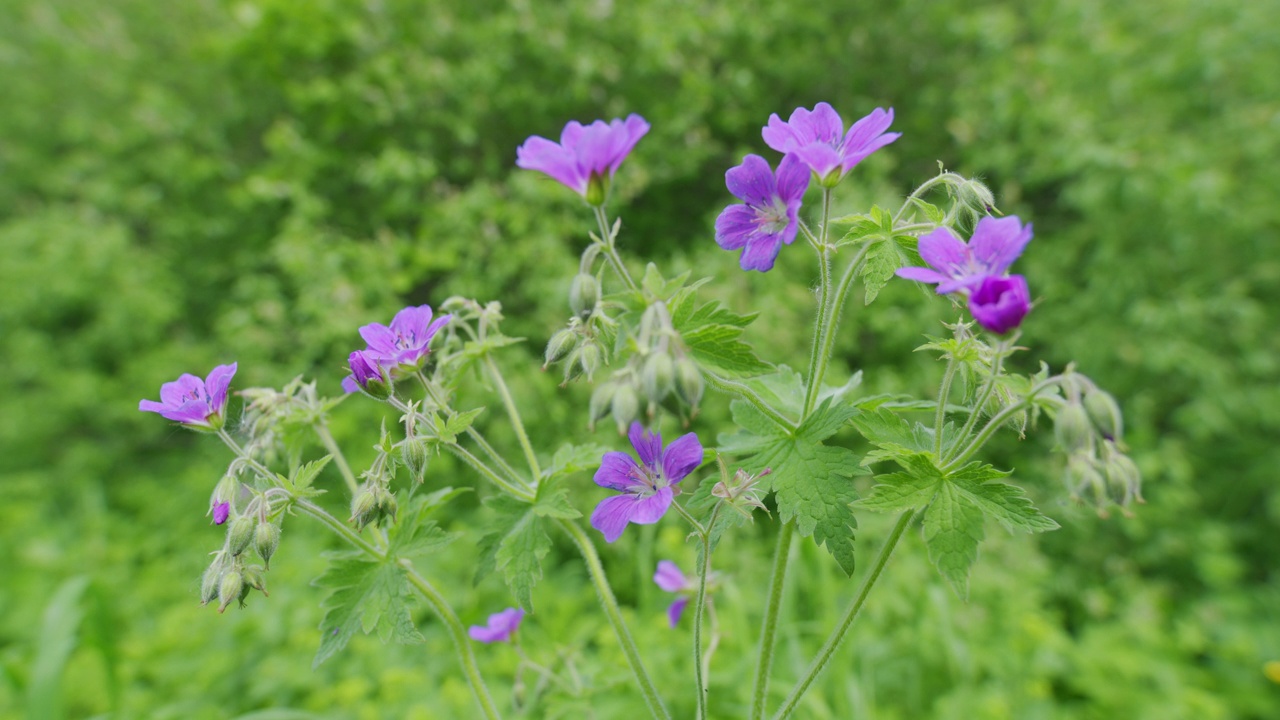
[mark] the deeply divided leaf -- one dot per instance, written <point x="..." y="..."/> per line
<point x="365" y="595"/>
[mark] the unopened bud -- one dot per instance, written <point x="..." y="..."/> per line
<point x="240" y="534"/>
<point x="209" y="583"/>
<point x="255" y="578"/>
<point x="658" y="376"/>
<point x="1105" y="414"/>
<point x="976" y="196"/>
<point x="226" y="491"/>
<point x="1073" y="429"/>
<point x="601" y="402"/>
<point x="413" y="452"/>
<point x="584" y="295"/>
<point x="626" y="406"/>
<point x="1083" y="476"/>
<point x="560" y="345"/>
<point x="229" y="589"/>
<point x="689" y="384"/>
<point x="387" y="505"/>
<point x="363" y="507"/>
<point x="265" y="540"/>
<point x="589" y="359"/>
<point x="1123" y="478"/>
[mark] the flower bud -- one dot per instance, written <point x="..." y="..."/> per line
<point x="589" y="359"/>
<point x="1083" y="476"/>
<point x="210" y="581"/>
<point x="626" y="407"/>
<point x="1073" y="429"/>
<point x="240" y="534"/>
<point x="1105" y="414"/>
<point x="584" y="295"/>
<point x="572" y="366"/>
<point x="265" y="540"/>
<point x="220" y="512"/>
<point x="413" y="452"/>
<point x="229" y="589"/>
<point x="689" y="384"/>
<point x="226" y="491"/>
<point x="255" y="578"/>
<point x="364" y="507"/>
<point x="387" y="505"/>
<point x="658" y="376"/>
<point x="560" y="345"/>
<point x="975" y="196"/>
<point x="1123" y="478"/>
<point x="601" y="402"/>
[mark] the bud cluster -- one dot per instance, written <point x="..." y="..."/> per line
<point x="230" y="577"/>
<point x="374" y="502"/>
<point x="1089" y="429"/>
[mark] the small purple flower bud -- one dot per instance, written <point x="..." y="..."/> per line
<point x="1000" y="303"/>
<point x="220" y="512"/>
<point x="500" y="628"/>
<point x="367" y="374"/>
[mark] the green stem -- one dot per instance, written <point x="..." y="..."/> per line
<point x="837" y="636"/>
<point x="338" y="527"/>
<point x="700" y="672"/>
<point x="818" y="361"/>
<point x="514" y="413"/>
<point x="734" y="387"/>
<point x="257" y="467"/>
<point x="769" y="630"/>
<point x="326" y="437"/>
<point x="985" y="394"/>
<point x="461" y="643"/>
<point x="996" y="421"/>
<point x="472" y="433"/>
<point x="479" y="466"/>
<point x="611" y="253"/>
<point x="920" y="191"/>
<point x="697" y="526"/>
<point x="610" y="604"/>
<point x="944" y="394"/>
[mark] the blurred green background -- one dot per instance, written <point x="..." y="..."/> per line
<point x="187" y="184"/>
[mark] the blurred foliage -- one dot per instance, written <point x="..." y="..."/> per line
<point x="186" y="184"/>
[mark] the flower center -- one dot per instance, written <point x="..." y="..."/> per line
<point x="772" y="219"/>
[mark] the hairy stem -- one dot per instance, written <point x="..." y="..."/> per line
<point x="944" y="394"/>
<point x="614" y="613"/>
<point x="489" y="473"/>
<point x="981" y="400"/>
<point x="817" y="360"/>
<point x="734" y="387"/>
<point x="514" y="413"/>
<point x="611" y="253"/>
<point x="996" y="421"/>
<point x="769" y="630"/>
<point x="700" y="672"/>
<point x="326" y="437"/>
<point x="837" y="635"/>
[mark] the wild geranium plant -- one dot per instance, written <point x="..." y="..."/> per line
<point x="651" y="347"/>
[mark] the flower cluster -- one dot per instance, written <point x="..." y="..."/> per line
<point x="813" y="143"/>
<point x="398" y="349"/>
<point x="979" y="270"/>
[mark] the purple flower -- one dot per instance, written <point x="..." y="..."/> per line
<point x="645" y="486"/>
<point x="818" y="139"/>
<point x="768" y="217"/>
<point x="194" y="402"/>
<point x="995" y="244"/>
<point x="500" y="628"/>
<point x="1000" y="303"/>
<point x="220" y="512"/>
<point x="669" y="578"/>
<point x="586" y="157"/>
<point x="405" y="342"/>
<point x="366" y="374"/>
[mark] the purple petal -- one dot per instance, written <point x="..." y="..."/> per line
<point x="997" y="242"/>
<point x="191" y="412"/>
<point x="736" y="225"/>
<point x="412" y="322"/>
<point x="179" y="391"/>
<point x="669" y="578"/>
<point x="821" y="158"/>
<point x="633" y="129"/>
<point x="612" y="515"/>
<point x="792" y="178"/>
<point x="681" y="457"/>
<point x="217" y="385"/>
<point x="780" y="136"/>
<point x="619" y="471"/>
<point x="752" y="181"/>
<point x="539" y="153"/>
<point x="349" y="384"/>
<point x="648" y="445"/>
<point x="866" y="136"/>
<point x="500" y="626"/>
<point x="649" y="510"/>
<point x="924" y="275"/>
<point x="761" y="253"/>
<point x="943" y="250"/>
<point x="822" y="125"/>
<point x="676" y="610"/>
<point x="1000" y="304"/>
<point x="152" y="406"/>
<point x="220" y="513"/>
<point x="381" y="340"/>
<point x="435" y="327"/>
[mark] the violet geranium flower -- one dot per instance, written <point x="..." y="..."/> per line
<point x="670" y="578"/>
<point x="646" y="486"/>
<point x="818" y="139"/>
<point x="194" y="402"/>
<point x="955" y="266"/>
<point x="366" y="374"/>
<point x="501" y="626"/>
<point x="586" y="157"/>
<point x="405" y="341"/>
<point x="768" y="216"/>
<point x="1000" y="303"/>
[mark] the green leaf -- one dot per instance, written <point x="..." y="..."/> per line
<point x="883" y="259"/>
<point x="516" y="545"/>
<point x="555" y="503"/>
<point x="711" y="333"/>
<point x="570" y="459"/>
<point x="952" y="531"/>
<point x="659" y="288"/>
<point x="1007" y="504"/>
<point x="300" y="480"/>
<point x="458" y="424"/>
<point x="897" y="492"/>
<point x="365" y="595"/>
<point x="826" y="420"/>
<point x="415" y="536"/>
